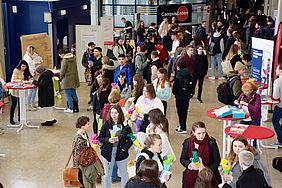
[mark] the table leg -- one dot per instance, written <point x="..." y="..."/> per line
<point x="260" y="142"/>
<point x="224" y="150"/>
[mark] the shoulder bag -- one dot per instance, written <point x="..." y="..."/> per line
<point x="70" y="174"/>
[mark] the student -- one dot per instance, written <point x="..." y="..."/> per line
<point x="152" y="150"/>
<point x="20" y="73"/>
<point x="45" y="94"/>
<point x="206" y="179"/>
<point x="140" y="60"/>
<point x="152" y="67"/>
<point x="127" y="27"/>
<point x="140" y="32"/>
<point x="97" y="62"/>
<point x="87" y="59"/>
<point x="123" y="87"/>
<point x="138" y="85"/>
<point x="250" y="177"/>
<point x="146" y="177"/>
<point x="108" y="68"/>
<point x="238" y="145"/>
<point x="207" y="150"/>
<point x="119" y="48"/>
<point x="124" y="67"/>
<point x="115" y="145"/>
<point x="162" y="87"/>
<point x="200" y="70"/>
<point x="277" y="114"/>
<point x="187" y="58"/>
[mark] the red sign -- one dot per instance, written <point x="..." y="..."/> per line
<point x="182" y="13"/>
<point x="277" y="49"/>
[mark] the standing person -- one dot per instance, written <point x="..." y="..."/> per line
<point x="207" y="150"/>
<point x="152" y="150"/>
<point x="128" y="48"/>
<point x="206" y="179"/>
<point x="230" y="41"/>
<point x="87" y="60"/>
<point x="70" y="81"/>
<point x="20" y="73"/>
<point x="238" y="145"/>
<point x="153" y="66"/>
<point x="140" y="60"/>
<point x="87" y="175"/>
<point x="200" y="70"/>
<point x="33" y="60"/>
<point x="162" y="87"/>
<point x="138" y="85"/>
<point x="183" y="89"/>
<point x="97" y="62"/>
<point x="123" y="87"/>
<point x="45" y="94"/>
<point x="277" y="114"/>
<point x="127" y="27"/>
<point x="163" y="29"/>
<point x="123" y="67"/>
<point x="141" y="31"/>
<point x="187" y="58"/>
<point x="216" y="49"/>
<point x="108" y="68"/>
<point x="115" y="145"/>
<point x="119" y="48"/>
<point x="201" y="31"/>
<point x="146" y="177"/>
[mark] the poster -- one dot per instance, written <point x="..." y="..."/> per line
<point x="108" y="28"/>
<point x="262" y="62"/>
<point x="84" y="35"/>
<point x="42" y="44"/>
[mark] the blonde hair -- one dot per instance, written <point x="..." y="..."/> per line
<point x="114" y="96"/>
<point x="151" y="139"/>
<point x="249" y="85"/>
<point x="105" y="60"/>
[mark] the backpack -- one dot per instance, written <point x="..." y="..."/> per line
<point x="277" y="163"/>
<point x="187" y="85"/>
<point x="214" y="45"/>
<point x="225" y="91"/>
<point x="133" y="67"/>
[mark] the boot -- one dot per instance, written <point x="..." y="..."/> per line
<point x="12" y="122"/>
<point x="75" y="106"/>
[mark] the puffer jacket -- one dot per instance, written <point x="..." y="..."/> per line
<point x="69" y="73"/>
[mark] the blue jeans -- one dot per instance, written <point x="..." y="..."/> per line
<point x="71" y="96"/>
<point x="115" y="171"/>
<point x="31" y="96"/>
<point x="277" y="115"/>
<point x="216" y="60"/>
<point x="122" y="165"/>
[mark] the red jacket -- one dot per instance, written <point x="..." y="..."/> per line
<point x="189" y="63"/>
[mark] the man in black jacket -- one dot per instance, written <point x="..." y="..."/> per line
<point x="183" y="89"/>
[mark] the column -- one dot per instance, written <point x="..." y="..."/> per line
<point x="2" y="57"/>
<point x="94" y="12"/>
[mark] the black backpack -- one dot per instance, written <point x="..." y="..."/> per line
<point x="187" y="85"/>
<point x="225" y="91"/>
<point x="277" y="163"/>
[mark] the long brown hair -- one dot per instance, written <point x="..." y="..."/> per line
<point x="121" y="118"/>
<point x="164" y="72"/>
<point x="105" y="84"/>
<point x="206" y="179"/>
<point x="158" y="119"/>
<point x="140" y="84"/>
<point x="151" y="90"/>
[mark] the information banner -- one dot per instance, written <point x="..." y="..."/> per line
<point x="108" y="28"/>
<point x="84" y="35"/>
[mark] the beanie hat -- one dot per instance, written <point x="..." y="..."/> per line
<point x="40" y="69"/>
<point x="239" y="65"/>
<point x="246" y="158"/>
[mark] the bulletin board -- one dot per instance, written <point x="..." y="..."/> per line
<point x="42" y="44"/>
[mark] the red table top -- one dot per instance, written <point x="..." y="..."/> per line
<point x="253" y="132"/>
<point x="19" y="86"/>
<point x="228" y="118"/>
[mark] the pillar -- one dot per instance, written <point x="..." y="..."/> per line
<point x="2" y="55"/>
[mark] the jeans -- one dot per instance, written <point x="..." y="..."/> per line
<point x="255" y="122"/>
<point x="277" y="115"/>
<point x="31" y="96"/>
<point x="182" y="112"/>
<point x="200" y="86"/>
<point x="170" y="66"/>
<point x="71" y="96"/>
<point x="216" y="60"/>
<point x="122" y="165"/>
<point x="115" y="171"/>
<point x="14" y="100"/>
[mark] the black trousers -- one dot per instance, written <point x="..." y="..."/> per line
<point x="15" y="101"/>
<point x="165" y="106"/>
<point x="200" y="86"/>
<point x="182" y="112"/>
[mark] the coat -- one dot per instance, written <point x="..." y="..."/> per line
<point x="123" y="146"/>
<point x="138" y="183"/>
<point x="177" y="90"/>
<point x="46" y="89"/>
<point x="127" y="70"/>
<point x="69" y="73"/>
<point x="201" y="66"/>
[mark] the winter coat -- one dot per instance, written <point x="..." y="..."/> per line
<point x="69" y="74"/>
<point x="189" y="61"/>
<point x="85" y="58"/>
<point x="201" y="66"/>
<point x="46" y="89"/>
<point x="119" y="50"/>
<point x="126" y="69"/>
<point x="181" y="76"/>
<point x="151" y="155"/>
<point x="138" y="183"/>
<point x="140" y="63"/>
<point x="123" y="146"/>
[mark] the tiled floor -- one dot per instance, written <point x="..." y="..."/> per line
<point x="35" y="158"/>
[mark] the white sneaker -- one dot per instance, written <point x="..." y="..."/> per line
<point x="212" y="78"/>
<point x="221" y="78"/>
<point x="68" y="110"/>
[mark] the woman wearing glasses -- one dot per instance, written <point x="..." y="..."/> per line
<point x="200" y="70"/>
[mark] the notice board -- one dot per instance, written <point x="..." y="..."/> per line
<point x="42" y="44"/>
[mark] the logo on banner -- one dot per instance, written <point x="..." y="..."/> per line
<point x="182" y="13"/>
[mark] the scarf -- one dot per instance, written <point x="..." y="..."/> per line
<point x="249" y="99"/>
<point x="203" y="152"/>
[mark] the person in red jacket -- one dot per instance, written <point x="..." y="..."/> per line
<point x="188" y="59"/>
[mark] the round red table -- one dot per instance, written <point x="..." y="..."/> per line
<point x="253" y="132"/>
<point x="21" y="87"/>
<point x="226" y="118"/>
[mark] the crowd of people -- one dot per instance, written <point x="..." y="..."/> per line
<point x="129" y="92"/>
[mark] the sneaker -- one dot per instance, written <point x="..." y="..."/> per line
<point x="276" y="144"/>
<point x="212" y="78"/>
<point x="116" y="180"/>
<point x="181" y="131"/>
<point x="68" y="110"/>
<point x="221" y="78"/>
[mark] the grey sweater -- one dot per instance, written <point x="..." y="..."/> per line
<point x="277" y="90"/>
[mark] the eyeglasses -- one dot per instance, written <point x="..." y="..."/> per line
<point x="200" y="49"/>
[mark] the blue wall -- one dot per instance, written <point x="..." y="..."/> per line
<point x="29" y="19"/>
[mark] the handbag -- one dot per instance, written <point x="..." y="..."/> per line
<point x="226" y="67"/>
<point x="86" y="157"/>
<point x="70" y="175"/>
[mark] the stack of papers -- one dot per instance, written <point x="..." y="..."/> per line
<point x="238" y="129"/>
